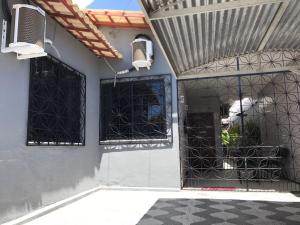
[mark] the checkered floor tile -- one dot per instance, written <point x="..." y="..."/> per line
<point x="221" y="212"/>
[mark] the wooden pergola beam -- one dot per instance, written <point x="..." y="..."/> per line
<point x="83" y="27"/>
<point x="128" y="16"/>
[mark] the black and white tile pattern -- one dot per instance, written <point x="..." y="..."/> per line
<point x="221" y="212"/>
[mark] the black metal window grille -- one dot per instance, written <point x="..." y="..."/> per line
<point x="135" y="109"/>
<point x="56" y="111"/>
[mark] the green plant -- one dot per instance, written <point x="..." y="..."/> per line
<point x="230" y="136"/>
<point x="225" y="137"/>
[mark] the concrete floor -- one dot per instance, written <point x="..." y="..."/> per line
<point x="127" y="207"/>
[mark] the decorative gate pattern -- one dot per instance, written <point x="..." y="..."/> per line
<point x="253" y="140"/>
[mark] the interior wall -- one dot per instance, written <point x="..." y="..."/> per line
<point x="279" y="127"/>
<point x="198" y="104"/>
<point x="276" y="126"/>
<point x="33" y="177"/>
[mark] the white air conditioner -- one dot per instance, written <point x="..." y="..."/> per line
<point x="142" y="52"/>
<point x="28" y="28"/>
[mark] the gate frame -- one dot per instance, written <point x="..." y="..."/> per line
<point x="220" y="75"/>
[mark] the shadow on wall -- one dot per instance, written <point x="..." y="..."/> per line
<point x="135" y="147"/>
<point x="35" y="177"/>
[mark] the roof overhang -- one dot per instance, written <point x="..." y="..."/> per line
<point x="80" y="26"/>
<point x="195" y="33"/>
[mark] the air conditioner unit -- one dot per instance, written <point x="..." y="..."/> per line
<point x="142" y="52"/>
<point x="27" y="32"/>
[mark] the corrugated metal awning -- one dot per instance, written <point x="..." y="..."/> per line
<point x="195" y="32"/>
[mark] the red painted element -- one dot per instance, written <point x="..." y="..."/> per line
<point x="219" y="188"/>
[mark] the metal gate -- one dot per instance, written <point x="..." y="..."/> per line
<point x="240" y="132"/>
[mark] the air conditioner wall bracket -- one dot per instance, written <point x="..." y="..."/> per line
<point x="3" y="37"/>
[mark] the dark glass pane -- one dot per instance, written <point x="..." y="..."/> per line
<point x="133" y="110"/>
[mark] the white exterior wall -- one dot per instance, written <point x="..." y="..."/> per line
<point x="32" y="177"/>
<point x="142" y="165"/>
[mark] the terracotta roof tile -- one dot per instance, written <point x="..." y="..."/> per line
<point x="80" y="26"/>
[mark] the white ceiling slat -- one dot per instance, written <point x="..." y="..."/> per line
<point x="274" y="24"/>
<point x="162" y="14"/>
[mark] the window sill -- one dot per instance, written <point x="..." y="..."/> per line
<point x="53" y="144"/>
<point x="135" y="141"/>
